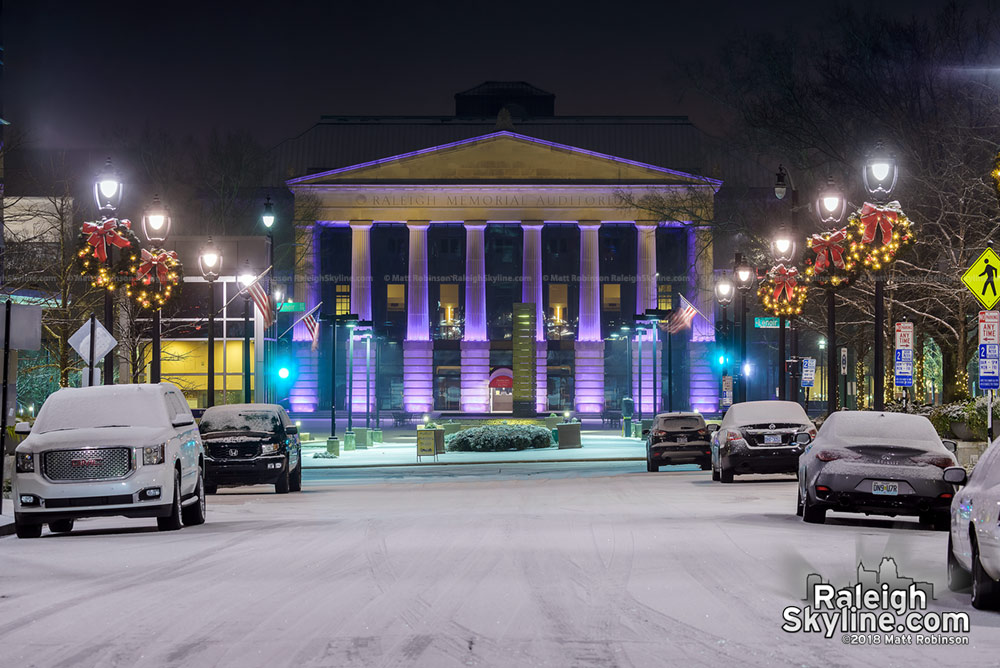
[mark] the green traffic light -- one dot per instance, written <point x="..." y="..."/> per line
<point x="283" y="372"/>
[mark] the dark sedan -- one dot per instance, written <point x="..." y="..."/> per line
<point x="759" y="437"/>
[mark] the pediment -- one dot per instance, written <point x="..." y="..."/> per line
<point x="503" y="157"/>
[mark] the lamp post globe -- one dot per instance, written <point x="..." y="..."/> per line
<point x="108" y="189"/>
<point x="744" y="275"/>
<point x="210" y="263"/>
<point x="831" y="203"/>
<point x="156" y="221"/>
<point x="267" y="216"/>
<point x="724" y="291"/>
<point x="780" y="183"/>
<point x="783" y="246"/>
<point x="881" y="172"/>
<point x="210" y="260"/>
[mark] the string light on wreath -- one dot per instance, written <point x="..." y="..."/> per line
<point x="156" y="277"/>
<point x="96" y="243"/>
<point x="833" y="265"/>
<point x="782" y="292"/>
<point x="876" y="233"/>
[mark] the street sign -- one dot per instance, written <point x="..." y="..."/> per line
<point x="989" y="350"/>
<point x="291" y="307"/>
<point x="904" y="335"/>
<point x="808" y="371"/>
<point x="25" y="327"/>
<point x="727" y="383"/>
<point x="981" y="277"/>
<point x="104" y="343"/>
<point x="903" y="371"/>
<point x="767" y="323"/>
<point x="843" y="361"/>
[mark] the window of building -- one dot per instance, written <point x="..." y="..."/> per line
<point x="448" y="303"/>
<point x="447" y="379"/>
<point x="611" y="297"/>
<point x="343" y="297"/>
<point x="395" y="294"/>
<point x="664" y="296"/>
<point x="558" y="301"/>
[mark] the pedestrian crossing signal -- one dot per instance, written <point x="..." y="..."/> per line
<point x="981" y="278"/>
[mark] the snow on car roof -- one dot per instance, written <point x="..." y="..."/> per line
<point x="874" y="428"/>
<point x="137" y="405"/>
<point x="758" y="412"/>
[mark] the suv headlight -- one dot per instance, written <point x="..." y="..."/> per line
<point x="152" y="454"/>
<point x="268" y="448"/>
<point x="25" y="462"/>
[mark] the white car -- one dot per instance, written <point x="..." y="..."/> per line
<point x="974" y="540"/>
<point x="129" y="450"/>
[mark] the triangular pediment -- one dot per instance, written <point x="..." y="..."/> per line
<point x="504" y="157"/>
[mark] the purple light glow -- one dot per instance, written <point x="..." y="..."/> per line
<point x="475" y="396"/>
<point x="589" y="376"/>
<point x="715" y="183"/>
<point x="418" y="376"/>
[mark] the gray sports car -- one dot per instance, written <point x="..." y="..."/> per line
<point x="877" y="464"/>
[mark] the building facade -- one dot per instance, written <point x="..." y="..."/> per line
<point x="436" y="246"/>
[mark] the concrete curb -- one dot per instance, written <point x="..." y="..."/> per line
<point x="480" y="463"/>
<point x="6" y="530"/>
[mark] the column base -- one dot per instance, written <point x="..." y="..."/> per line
<point x="541" y="376"/>
<point x="475" y="377"/>
<point x="418" y="376"/>
<point x="589" y="377"/>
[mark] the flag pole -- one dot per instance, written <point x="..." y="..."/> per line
<point x="314" y="309"/>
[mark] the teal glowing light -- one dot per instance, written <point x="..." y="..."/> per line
<point x="283" y="372"/>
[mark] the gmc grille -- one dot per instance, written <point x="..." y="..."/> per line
<point x="94" y="464"/>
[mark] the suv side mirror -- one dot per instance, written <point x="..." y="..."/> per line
<point x="291" y="429"/>
<point x="22" y="428"/>
<point x="955" y="475"/>
<point x="182" y="421"/>
<point x="712" y="428"/>
<point x="950" y="446"/>
<point x="803" y="438"/>
<point x="645" y="433"/>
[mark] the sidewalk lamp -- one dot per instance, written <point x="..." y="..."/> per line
<point x="783" y="245"/>
<point x="210" y="262"/>
<point x="155" y="227"/>
<point x="880" y="174"/>
<point x="782" y="250"/>
<point x="780" y="183"/>
<point x="831" y="204"/>
<point x="246" y="279"/>
<point x="724" y="292"/>
<point x="267" y="217"/>
<point x="108" y="195"/>
<point x="745" y="275"/>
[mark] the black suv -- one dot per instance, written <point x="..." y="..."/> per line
<point x="251" y="444"/>
<point x="679" y="438"/>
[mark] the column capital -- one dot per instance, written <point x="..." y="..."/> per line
<point x="418" y="224"/>
<point x="474" y="224"/>
<point x="647" y="223"/>
<point x="532" y="224"/>
<point x="360" y="224"/>
<point x="588" y="223"/>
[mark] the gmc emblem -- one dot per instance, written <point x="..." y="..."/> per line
<point x="93" y="461"/>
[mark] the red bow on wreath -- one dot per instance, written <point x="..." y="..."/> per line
<point x="159" y="262"/>
<point x="878" y="218"/>
<point x="828" y="249"/>
<point x="784" y="281"/>
<point x="99" y="235"/>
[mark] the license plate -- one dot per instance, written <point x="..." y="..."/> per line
<point x="885" y="488"/>
<point x="772" y="439"/>
<point x="682" y="439"/>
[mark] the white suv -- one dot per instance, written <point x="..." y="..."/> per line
<point x="131" y="450"/>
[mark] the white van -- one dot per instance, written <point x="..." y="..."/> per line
<point x="129" y="450"/>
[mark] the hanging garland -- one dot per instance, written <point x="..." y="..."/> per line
<point x="876" y="233"/>
<point x="96" y="243"/>
<point x="996" y="175"/>
<point x="157" y="275"/>
<point x="781" y="291"/>
<point x="833" y="266"/>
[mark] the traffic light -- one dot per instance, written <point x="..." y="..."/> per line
<point x="284" y="366"/>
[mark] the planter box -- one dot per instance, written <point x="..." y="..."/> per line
<point x="569" y="435"/>
<point x="349" y="440"/>
<point x="333" y="446"/>
<point x="362" y="438"/>
<point x="552" y="422"/>
<point x="962" y="431"/>
<point x="376" y="435"/>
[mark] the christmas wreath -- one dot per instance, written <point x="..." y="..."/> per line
<point x="96" y="243"/>
<point x="781" y="291"/>
<point x="834" y="265"/>
<point x="876" y="233"/>
<point x="157" y="275"/>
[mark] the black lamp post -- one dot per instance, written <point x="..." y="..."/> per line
<point x="724" y="291"/>
<point x="246" y="279"/>
<point x="744" y="274"/>
<point x="267" y="218"/>
<point x="782" y="250"/>
<point x="880" y="174"/>
<point x="830" y="205"/>
<point x="210" y="262"/>
<point x="351" y="319"/>
<point x="156" y="227"/>
<point x="108" y="194"/>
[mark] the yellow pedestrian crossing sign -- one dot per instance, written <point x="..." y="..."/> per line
<point x="981" y="278"/>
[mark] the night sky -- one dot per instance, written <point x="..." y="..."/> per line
<point x="78" y="71"/>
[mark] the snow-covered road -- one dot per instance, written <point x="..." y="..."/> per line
<point x="590" y="564"/>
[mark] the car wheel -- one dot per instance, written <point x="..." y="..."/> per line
<point x="725" y="475"/>
<point x="812" y="514"/>
<point x="958" y="578"/>
<point x="296" y="482"/>
<point x="283" y="482"/>
<point x="651" y="467"/>
<point x="715" y="472"/>
<point x="985" y="590"/>
<point x="705" y="466"/>
<point x="27" y="529"/>
<point x="195" y="513"/>
<point x="211" y="488"/>
<point x="61" y="526"/>
<point x="798" y="503"/>
<point x="172" y="522"/>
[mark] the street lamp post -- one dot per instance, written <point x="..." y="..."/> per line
<point x="267" y="218"/>
<point x="783" y="250"/>
<point x="724" y="295"/>
<point x="744" y="281"/>
<point x="246" y="279"/>
<point x="210" y="262"/>
<point x="156" y="227"/>
<point x="350" y="319"/>
<point x="108" y="193"/>
<point x="880" y="174"/>
<point x="831" y="205"/>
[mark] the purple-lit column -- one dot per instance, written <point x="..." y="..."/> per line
<point x="589" y="345"/>
<point x="475" y="344"/>
<point x="418" y="349"/>
<point x="361" y="304"/>
<point x="645" y="298"/>
<point x="531" y="293"/>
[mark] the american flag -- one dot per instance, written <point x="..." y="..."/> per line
<point x="682" y="317"/>
<point x="310" y="322"/>
<point x="263" y="302"/>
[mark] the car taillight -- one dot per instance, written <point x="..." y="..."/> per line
<point x="734" y="436"/>
<point x="946" y="495"/>
<point x="703" y="432"/>
<point x="812" y="432"/>
<point x="939" y="461"/>
<point x="829" y="455"/>
<point x="659" y="432"/>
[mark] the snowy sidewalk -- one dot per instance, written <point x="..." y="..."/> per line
<point x="7" y="518"/>
<point x="402" y="451"/>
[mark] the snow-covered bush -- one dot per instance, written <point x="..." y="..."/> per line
<point x="943" y="416"/>
<point x="496" y="438"/>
